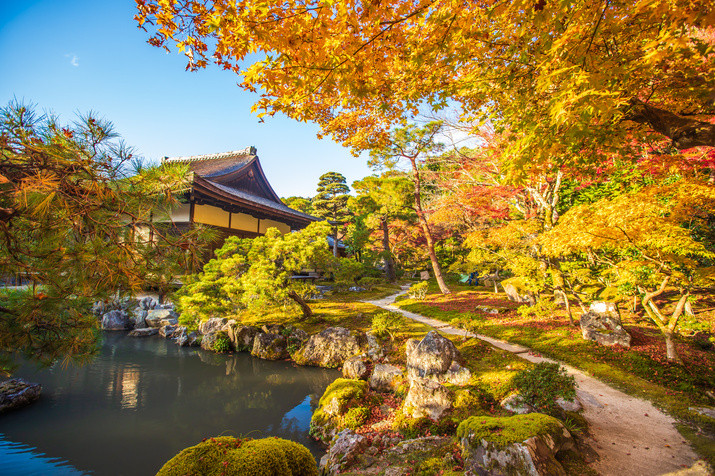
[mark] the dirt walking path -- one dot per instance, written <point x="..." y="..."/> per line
<point x="630" y="435"/>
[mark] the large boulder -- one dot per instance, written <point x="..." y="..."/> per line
<point x="385" y="377"/>
<point x="16" y="393"/>
<point x="521" y="444"/>
<point x="602" y="324"/>
<point x="168" y="331"/>
<point x="156" y="317"/>
<point x="356" y="367"/>
<point x="343" y="452"/>
<point x="431" y="357"/>
<point x="144" y="332"/>
<point x="138" y="316"/>
<point x="427" y="398"/>
<point x="147" y="303"/>
<point x="117" y="320"/>
<point x="514" y="289"/>
<point x="183" y="338"/>
<point x="213" y="324"/>
<point x="242" y="337"/>
<point x="331" y="347"/>
<point x="374" y="348"/>
<point x="269" y="346"/>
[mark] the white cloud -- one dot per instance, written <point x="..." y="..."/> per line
<point x="74" y="59"/>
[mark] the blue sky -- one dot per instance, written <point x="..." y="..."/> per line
<point x="74" y="56"/>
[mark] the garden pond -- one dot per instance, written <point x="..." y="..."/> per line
<point x="142" y="400"/>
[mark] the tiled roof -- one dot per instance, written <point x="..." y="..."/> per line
<point x="213" y="165"/>
<point x="262" y="201"/>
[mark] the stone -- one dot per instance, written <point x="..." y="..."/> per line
<point x="269" y="347"/>
<point x="139" y="316"/>
<point x="213" y="324"/>
<point x="427" y="398"/>
<point x="431" y="357"/>
<point x="487" y="309"/>
<point x="602" y="324"/>
<point x="116" y="320"/>
<point x="356" y="289"/>
<point x="331" y="347"/>
<point x="385" y="377"/>
<point x="17" y="393"/>
<point x="273" y="328"/>
<point x="457" y="375"/>
<point x="167" y="331"/>
<point x="514" y="403"/>
<point x="708" y="412"/>
<point x="172" y="321"/>
<point x="207" y="341"/>
<point x="147" y="303"/>
<point x="242" y="337"/>
<point x="356" y="367"/>
<point x="299" y="335"/>
<point x="155" y="316"/>
<point x="184" y="339"/>
<point x="533" y="456"/>
<point x="569" y="406"/>
<point x="424" y="275"/>
<point x="144" y="332"/>
<point x="346" y="447"/>
<point x="514" y="294"/>
<point x="374" y="348"/>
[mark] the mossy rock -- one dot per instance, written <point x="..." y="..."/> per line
<point x="336" y="401"/>
<point x="504" y="431"/>
<point x="228" y="455"/>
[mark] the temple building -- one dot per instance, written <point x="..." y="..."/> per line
<point x="230" y="192"/>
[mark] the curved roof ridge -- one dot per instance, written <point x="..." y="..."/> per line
<point x="250" y="150"/>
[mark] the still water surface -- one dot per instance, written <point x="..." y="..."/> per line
<point x="142" y="400"/>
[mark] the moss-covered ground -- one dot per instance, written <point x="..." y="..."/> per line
<point x="642" y="370"/>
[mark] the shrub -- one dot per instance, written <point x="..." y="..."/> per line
<point x="541" y="385"/>
<point x="418" y="290"/>
<point x="229" y="455"/>
<point x="543" y="309"/>
<point x="384" y="324"/>
<point x="222" y="342"/>
<point x="348" y="272"/>
<point x="504" y="431"/>
<point x="369" y="282"/>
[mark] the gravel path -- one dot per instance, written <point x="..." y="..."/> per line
<point x="630" y="436"/>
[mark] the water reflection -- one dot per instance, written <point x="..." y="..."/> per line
<point x="143" y="400"/>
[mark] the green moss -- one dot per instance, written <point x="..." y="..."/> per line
<point x="222" y="342"/>
<point x="504" y="431"/>
<point x="340" y="395"/>
<point x="229" y="455"/>
<point x="355" y="417"/>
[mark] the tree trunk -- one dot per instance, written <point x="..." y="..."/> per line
<point x="335" y="241"/>
<point x="389" y="261"/>
<point x="307" y="312"/>
<point x="426" y="229"/>
<point x="684" y="132"/>
<point x="670" y="351"/>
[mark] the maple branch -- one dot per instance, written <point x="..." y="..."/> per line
<point x="684" y="132"/>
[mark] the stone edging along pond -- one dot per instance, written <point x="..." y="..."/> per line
<point x="425" y="417"/>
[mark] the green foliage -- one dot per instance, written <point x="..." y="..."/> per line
<point x="348" y="272"/>
<point x="331" y="203"/>
<point x="543" y="309"/>
<point x="504" y="431"/>
<point x="255" y="273"/>
<point x="418" y="291"/>
<point x="369" y="282"/>
<point x="541" y="385"/>
<point x="228" y="455"/>
<point x="385" y="324"/>
<point x="299" y="203"/>
<point x="222" y="342"/>
<point x="341" y="395"/>
<point x="77" y="223"/>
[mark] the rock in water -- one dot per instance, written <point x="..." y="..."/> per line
<point x="269" y="346"/>
<point x="117" y="320"/>
<point x="144" y="332"/>
<point x="331" y="347"/>
<point x="602" y="324"/>
<point x="213" y="324"/>
<point x="16" y="393"/>
<point x="155" y="317"/>
<point x="242" y="337"/>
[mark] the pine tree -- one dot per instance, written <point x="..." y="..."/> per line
<point x="331" y="202"/>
